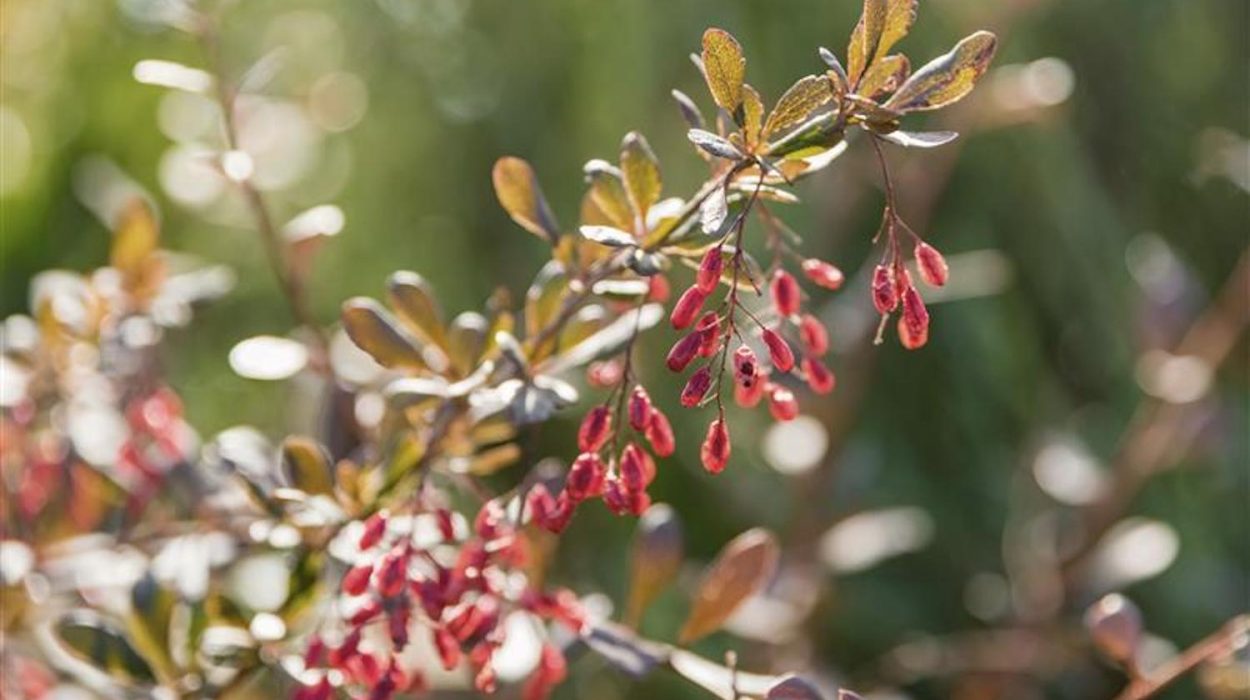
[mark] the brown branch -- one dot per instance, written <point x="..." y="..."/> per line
<point x="1223" y="641"/>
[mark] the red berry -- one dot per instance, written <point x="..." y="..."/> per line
<point x="932" y="265"/>
<point x="884" y="296"/>
<point x="915" y="318"/>
<point x="639" y="409"/>
<point x="822" y="274"/>
<point x="604" y="374"/>
<point x="710" y="270"/>
<point x="356" y="580"/>
<point x="785" y="291"/>
<point x="637" y="469"/>
<point x="716" y="447"/>
<point x="814" y="335"/>
<point x="393" y="573"/>
<point x="687" y="307"/>
<point x="746" y="367"/>
<point x="708" y="329"/>
<point x="660" y="433"/>
<point x="819" y="377"/>
<point x="595" y="429"/>
<point x="778" y="351"/>
<point x="659" y="290"/>
<point x="585" y="478"/>
<point x="375" y="527"/>
<point x="684" y="351"/>
<point x="749" y="396"/>
<point x="781" y="403"/>
<point x="696" y="388"/>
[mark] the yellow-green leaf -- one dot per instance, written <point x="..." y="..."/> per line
<point x="373" y="330"/>
<point x="413" y="301"/>
<point x="607" y="189"/>
<point x="517" y="188"/>
<point x="948" y="78"/>
<point x="752" y="115"/>
<point x="882" y="25"/>
<point x="741" y="568"/>
<point x="641" y="172"/>
<point x="307" y="465"/>
<point x="799" y="103"/>
<point x="724" y="67"/>
<point x="884" y="76"/>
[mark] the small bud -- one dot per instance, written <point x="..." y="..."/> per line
<point x="913" y="327"/>
<point x="781" y="403"/>
<point x="814" y="336"/>
<point x="884" y="297"/>
<point x="708" y="329"/>
<point x="659" y="290"/>
<point x="716" y="447"/>
<point x="746" y="367"/>
<point x="637" y="469"/>
<point x="696" y="388"/>
<point x="356" y="580"/>
<point x="585" y="477"/>
<point x="602" y="375"/>
<point x="639" y="409"/>
<point x="375" y="527"/>
<point x="819" y="377"/>
<point x="1115" y="625"/>
<point x="908" y="338"/>
<point x="687" y="307"/>
<point x="710" y="270"/>
<point x="594" y="430"/>
<point x="778" y="351"/>
<point x="822" y="274"/>
<point x="660" y="433"/>
<point x="932" y="265"/>
<point x="684" y="351"/>
<point x="748" y="397"/>
<point x="785" y="291"/>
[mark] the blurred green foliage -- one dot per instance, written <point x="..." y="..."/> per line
<point x="1147" y="150"/>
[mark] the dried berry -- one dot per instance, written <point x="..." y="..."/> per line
<point x="823" y="274"/>
<point x="814" y="336"/>
<point x="715" y="450"/>
<point x="819" y="377"/>
<point x="884" y="296"/>
<point x="932" y="265"/>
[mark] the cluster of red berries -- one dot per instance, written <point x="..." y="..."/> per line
<point x="892" y="288"/>
<point x="459" y="589"/>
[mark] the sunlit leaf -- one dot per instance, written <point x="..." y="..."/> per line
<point x="641" y="172"/>
<point x="714" y="213"/>
<point x="413" y="300"/>
<point x="466" y="340"/>
<point x="135" y="242"/>
<point x="752" y="115"/>
<point x="920" y="139"/>
<point x="798" y="104"/>
<point x="655" y="558"/>
<point x="724" y="67"/>
<point x="623" y="649"/>
<point x="818" y="133"/>
<point x="713" y="144"/>
<point x="884" y="76"/>
<point x="866" y="539"/>
<point x="607" y="235"/>
<point x="836" y="74"/>
<point x="517" y="188"/>
<point x="172" y="75"/>
<point x="268" y="357"/>
<point x="719" y="680"/>
<point x="543" y="300"/>
<point x="322" y="220"/>
<point x="607" y="190"/>
<point x="608" y="340"/>
<point x="881" y="26"/>
<point x="91" y="638"/>
<point x="741" y="568"/>
<point x="948" y="78"/>
<point x="307" y="465"/>
<point x="373" y="330"/>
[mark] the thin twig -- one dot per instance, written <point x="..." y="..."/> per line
<point x="1223" y="641"/>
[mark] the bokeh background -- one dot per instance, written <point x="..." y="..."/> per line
<point x="1094" y="209"/>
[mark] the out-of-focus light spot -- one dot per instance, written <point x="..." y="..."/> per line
<point x="338" y="101"/>
<point x="313" y="36"/>
<point x="323" y="220"/>
<point x="866" y="539"/>
<point x="987" y="596"/>
<point x="97" y="431"/>
<point x="1222" y="153"/>
<point x="15" y="144"/>
<point x="282" y="143"/>
<point x="797" y="446"/>
<point x="1176" y="379"/>
<point x="260" y="582"/>
<point x="187" y="117"/>
<point x="105" y="189"/>
<point x="187" y="176"/>
<point x="237" y="165"/>
<point x="1134" y="550"/>
<point x="172" y="75"/>
<point x="13" y="382"/>
<point x="16" y="560"/>
<point x="267" y="627"/>
<point x="370" y="409"/>
<point x="350" y="363"/>
<point x="1068" y="473"/>
<point x="1153" y="264"/>
<point x="1049" y="81"/>
<point x="268" y="357"/>
<point x="521" y="650"/>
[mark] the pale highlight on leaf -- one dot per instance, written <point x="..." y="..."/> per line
<point x="885" y="76"/>
<point x="607" y="189"/>
<point x="517" y="188"/>
<point x="641" y="171"/>
<point x="742" y="568"/>
<point x="946" y="79"/>
<point x="725" y="68"/>
<point x="798" y="104"/>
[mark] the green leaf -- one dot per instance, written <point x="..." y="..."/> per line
<point x="724" y="67"/>
<point x="89" y="637"/>
<point x="373" y="330"/>
<point x="517" y="188"/>
<point x="414" y="303"/>
<point x="742" y="568"/>
<point x="799" y="103"/>
<point x="641" y="172"/>
<point x="607" y="190"/>
<point x="148" y="623"/>
<point x="948" y="78"/>
<point x="543" y="300"/>
<point x="884" y="76"/>
<point x="307" y="465"/>
<point x="881" y="26"/>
